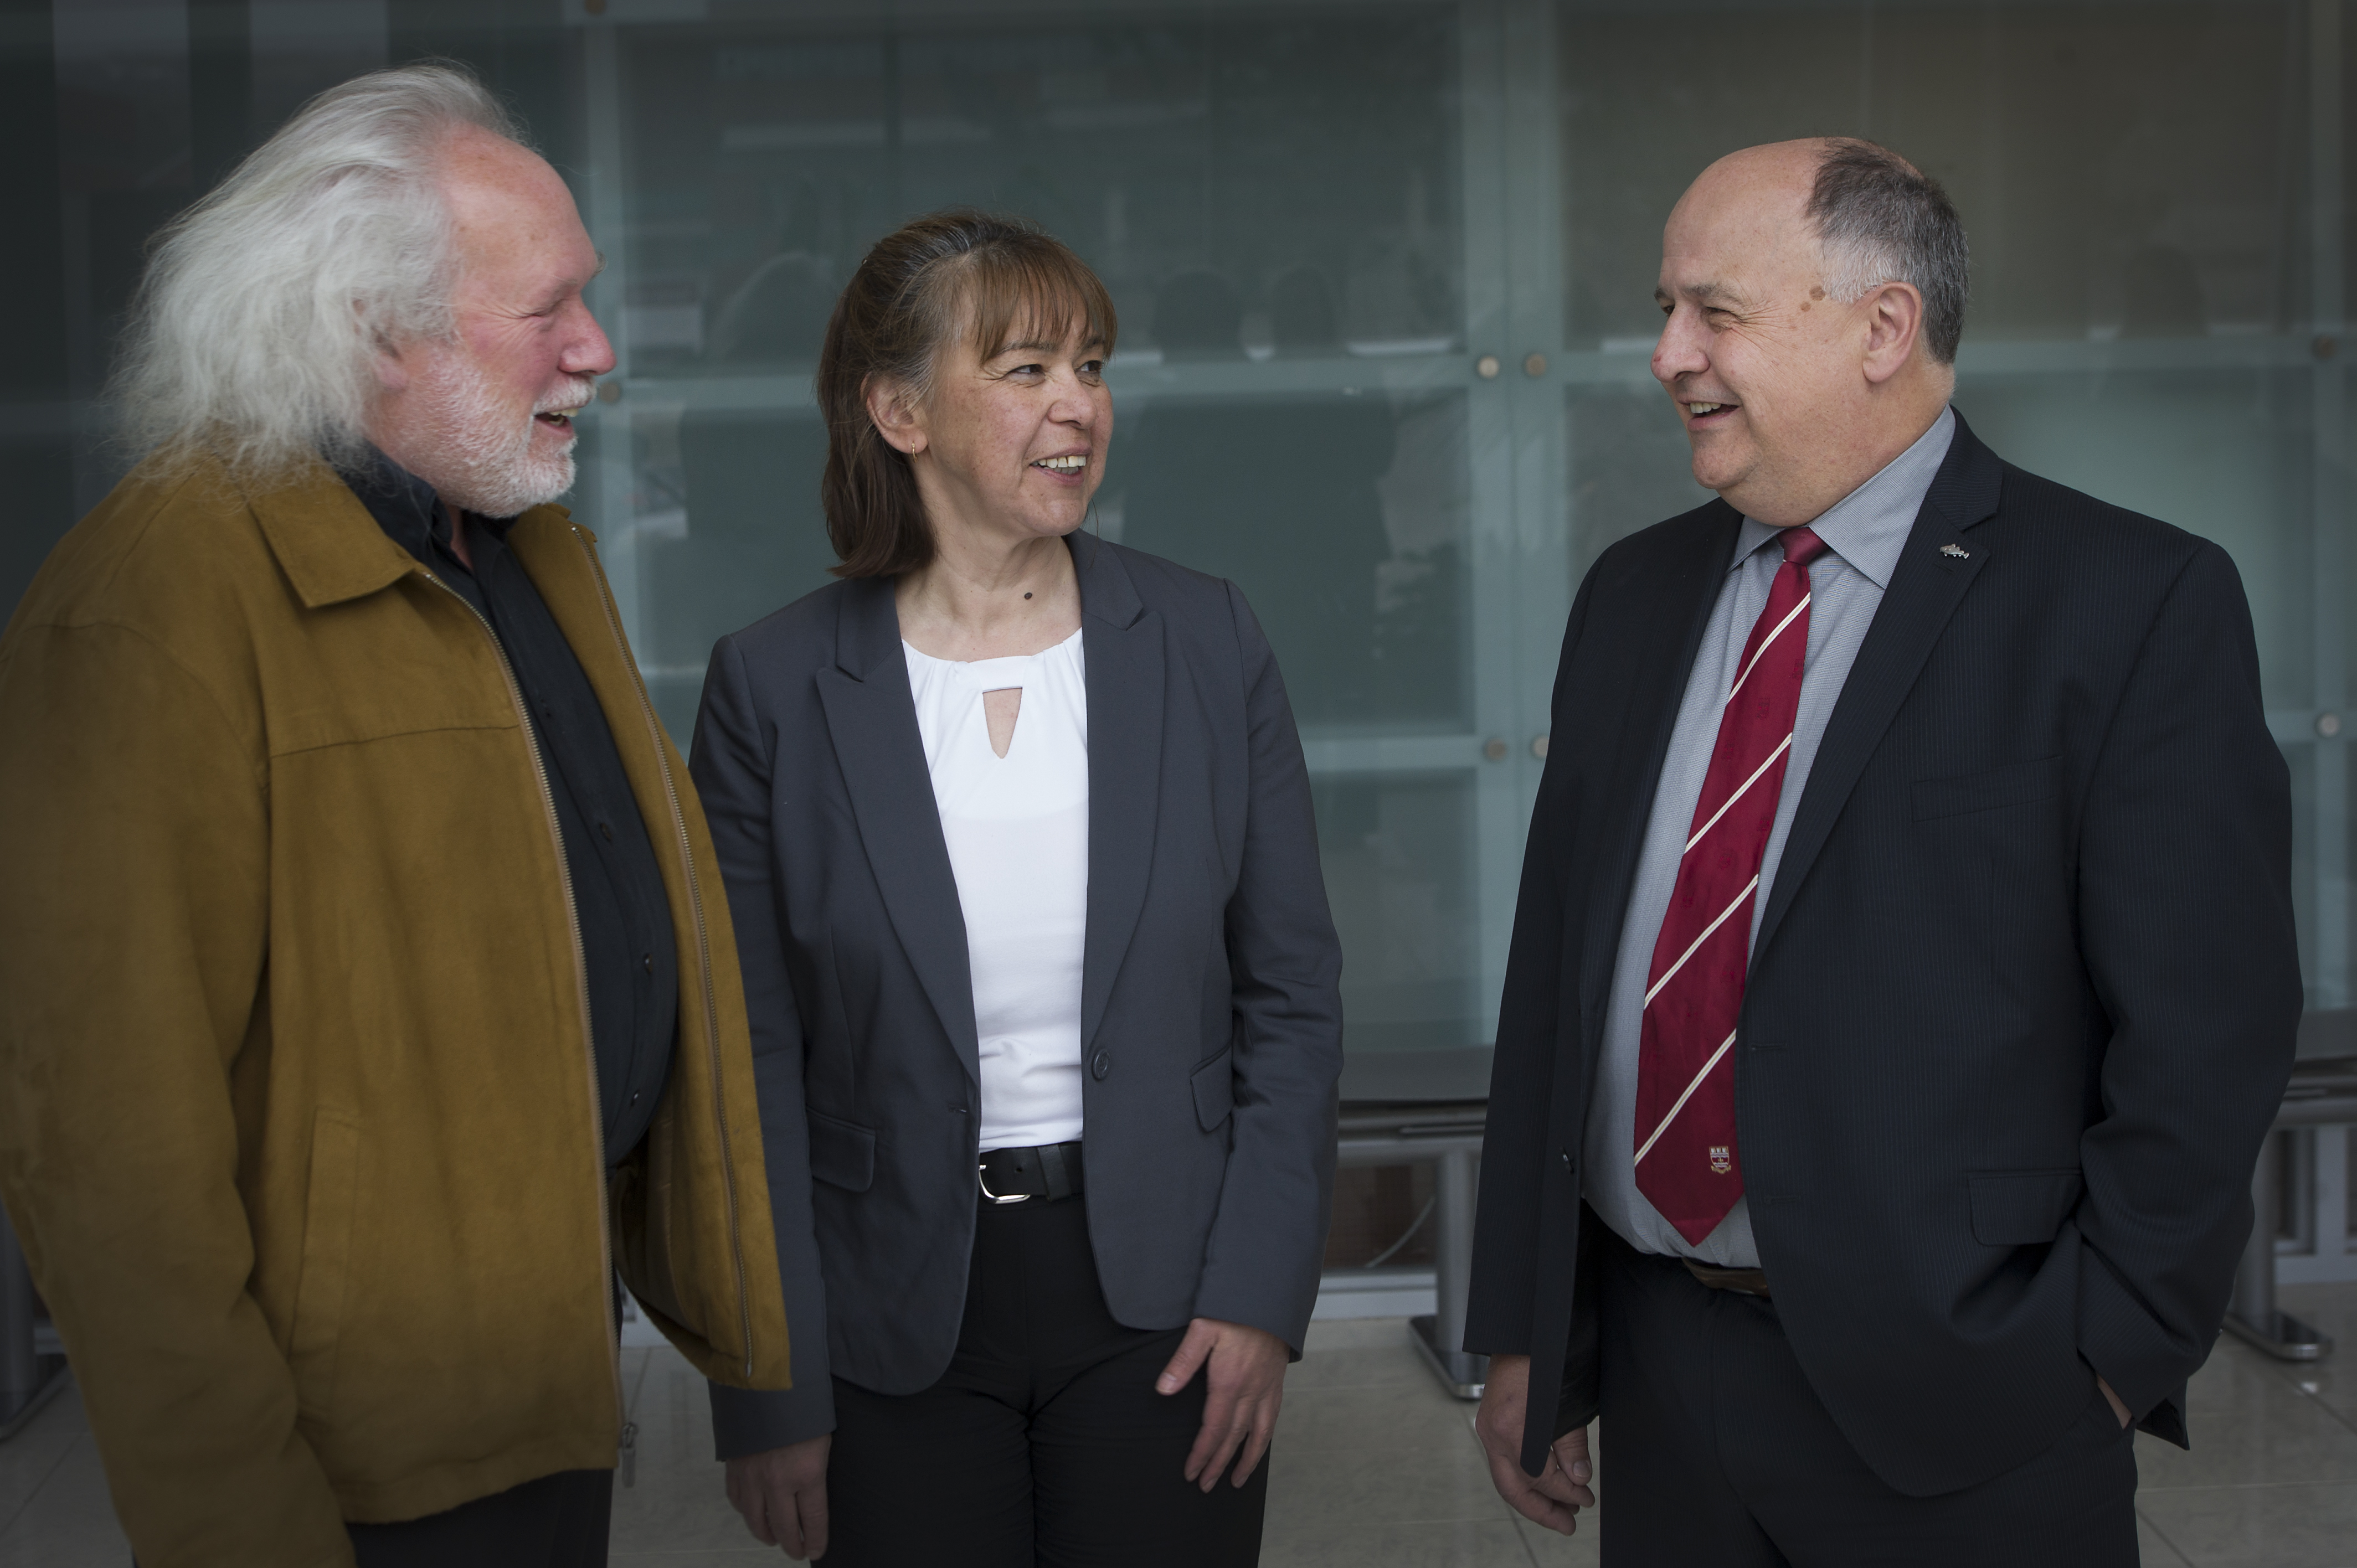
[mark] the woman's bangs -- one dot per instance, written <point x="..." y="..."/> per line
<point x="1050" y="299"/>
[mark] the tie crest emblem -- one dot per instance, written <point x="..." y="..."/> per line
<point x="1721" y="1161"/>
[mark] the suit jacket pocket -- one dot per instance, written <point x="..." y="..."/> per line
<point x="2023" y="1208"/>
<point x="1215" y="1088"/>
<point x="2015" y="784"/>
<point x="842" y="1154"/>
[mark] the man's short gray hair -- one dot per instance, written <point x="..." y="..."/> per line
<point x="1881" y="220"/>
<point x="254" y="333"/>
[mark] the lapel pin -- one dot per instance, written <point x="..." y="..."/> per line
<point x="1954" y="552"/>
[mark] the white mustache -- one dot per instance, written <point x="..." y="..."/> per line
<point x="575" y="394"/>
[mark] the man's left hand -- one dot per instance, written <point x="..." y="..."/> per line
<point x="1245" y="1383"/>
<point x="2119" y="1407"/>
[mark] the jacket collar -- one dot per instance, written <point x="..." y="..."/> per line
<point x="326" y="542"/>
<point x="1935" y="571"/>
<point x="332" y="547"/>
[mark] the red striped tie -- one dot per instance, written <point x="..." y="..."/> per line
<point x="1686" y="1160"/>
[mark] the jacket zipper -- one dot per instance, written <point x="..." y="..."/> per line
<point x="703" y="947"/>
<point x="580" y="982"/>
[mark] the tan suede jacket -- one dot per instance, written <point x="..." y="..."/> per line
<point x="298" y="1116"/>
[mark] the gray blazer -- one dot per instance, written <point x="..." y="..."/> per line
<point x="1210" y="1019"/>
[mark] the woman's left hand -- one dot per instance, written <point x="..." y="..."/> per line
<point x="1244" y="1385"/>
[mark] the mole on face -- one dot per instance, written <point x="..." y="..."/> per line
<point x="1818" y="292"/>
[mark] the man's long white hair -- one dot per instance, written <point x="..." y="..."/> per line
<point x="254" y="333"/>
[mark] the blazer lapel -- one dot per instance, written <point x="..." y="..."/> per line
<point x="872" y="719"/>
<point x="1658" y="610"/>
<point x="1925" y="592"/>
<point x="1122" y="643"/>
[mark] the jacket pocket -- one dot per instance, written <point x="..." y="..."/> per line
<point x="2015" y="784"/>
<point x="1215" y="1088"/>
<point x="2023" y="1208"/>
<point x="842" y="1154"/>
<point x="322" y="1281"/>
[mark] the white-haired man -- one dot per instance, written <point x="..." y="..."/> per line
<point x="369" y="995"/>
<point x="1904" y="977"/>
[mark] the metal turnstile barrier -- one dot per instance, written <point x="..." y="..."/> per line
<point x="2320" y="1094"/>
<point x="1448" y="1137"/>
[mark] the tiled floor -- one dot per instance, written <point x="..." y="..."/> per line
<point x="1376" y="1467"/>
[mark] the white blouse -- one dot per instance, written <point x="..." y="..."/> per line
<point x="1018" y="828"/>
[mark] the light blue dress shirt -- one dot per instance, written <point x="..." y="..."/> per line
<point x="1864" y="533"/>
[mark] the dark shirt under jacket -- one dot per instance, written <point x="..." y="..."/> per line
<point x="618" y="888"/>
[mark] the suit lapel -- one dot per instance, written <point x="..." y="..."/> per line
<point x="872" y="719"/>
<point x="1658" y="613"/>
<point x="1122" y="642"/>
<point x="1925" y="592"/>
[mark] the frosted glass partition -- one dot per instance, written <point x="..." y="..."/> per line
<point x="1384" y="273"/>
<point x="1278" y="204"/>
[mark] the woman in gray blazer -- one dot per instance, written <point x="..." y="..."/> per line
<point x="1021" y="861"/>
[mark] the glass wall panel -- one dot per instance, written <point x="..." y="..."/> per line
<point x="1398" y="853"/>
<point x="1385" y="274"/>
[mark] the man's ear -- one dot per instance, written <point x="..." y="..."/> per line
<point x="895" y="420"/>
<point x="1894" y="320"/>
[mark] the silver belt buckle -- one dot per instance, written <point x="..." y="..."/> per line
<point x="1017" y="1197"/>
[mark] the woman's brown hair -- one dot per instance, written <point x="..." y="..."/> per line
<point x="999" y="280"/>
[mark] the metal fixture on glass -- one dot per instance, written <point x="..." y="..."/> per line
<point x="1495" y="748"/>
<point x="1486" y="367"/>
<point x="2328" y="724"/>
<point x="1538" y="747"/>
<point x="1535" y="366"/>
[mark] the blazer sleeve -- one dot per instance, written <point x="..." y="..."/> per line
<point x="135" y="843"/>
<point x="2186" y="928"/>
<point x="1506" y="1240"/>
<point x="1267" y="1242"/>
<point x="731" y="764"/>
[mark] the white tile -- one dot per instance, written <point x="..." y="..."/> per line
<point x="2257" y="1527"/>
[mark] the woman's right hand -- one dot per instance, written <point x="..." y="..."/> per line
<point x="782" y="1495"/>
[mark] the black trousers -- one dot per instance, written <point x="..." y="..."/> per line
<point x="1045" y="1442"/>
<point x="1714" y="1449"/>
<point x="557" y="1522"/>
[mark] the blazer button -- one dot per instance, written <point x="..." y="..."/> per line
<point x="1100" y="1065"/>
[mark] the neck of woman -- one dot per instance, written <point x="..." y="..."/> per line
<point x="989" y="597"/>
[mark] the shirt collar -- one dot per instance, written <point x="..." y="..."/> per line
<point x="408" y="509"/>
<point x="1868" y="527"/>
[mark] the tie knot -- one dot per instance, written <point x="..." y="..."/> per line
<point x="1800" y="547"/>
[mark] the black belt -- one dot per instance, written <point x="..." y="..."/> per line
<point x="1748" y="1282"/>
<point x="1049" y="1171"/>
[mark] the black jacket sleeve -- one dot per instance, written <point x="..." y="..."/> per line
<point x="2186" y="929"/>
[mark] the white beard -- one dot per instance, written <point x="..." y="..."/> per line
<point x="481" y="445"/>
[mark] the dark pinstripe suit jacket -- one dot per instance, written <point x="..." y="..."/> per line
<point x="2023" y="999"/>
<point x="1210" y="1014"/>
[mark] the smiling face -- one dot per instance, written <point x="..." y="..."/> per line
<point x="1010" y="445"/>
<point x="486" y="416"/>
<point x="1768" y="374"/>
